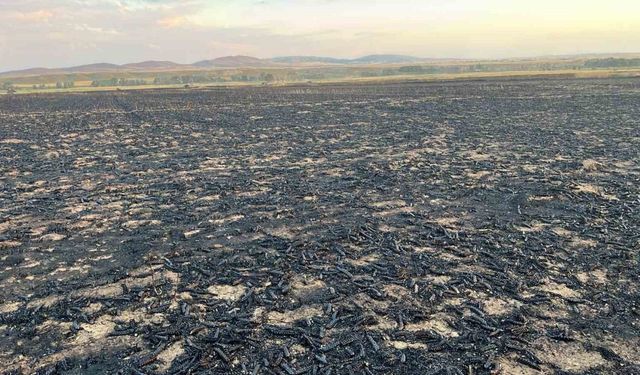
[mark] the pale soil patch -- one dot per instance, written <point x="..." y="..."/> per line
<point x="92" y="308"/>
<point x="477" y="156"/>
<point x="9" y="244"/>
<point x="108" y="290"/>
<point x="575" y="241"/>
<point x="424" y="249"/>
<point x="191" y="233"/>
<point x="337" y="172"/>
<point x="598" y="276"/>
<point x="580" y="243"/>
<point x="9" y="307"/>
<point x="289" y="317"/>
<point x="52" y="237"/>
<point x="625" y="348"/>
<point x="437" y="322"/>
<point x="540" y="198"/>
<point x="12" y="141"/>
<point x="364" y="300"/>
<point x="226" y="220"/>
<point x="497" y="306"/>
<point x="451" y="222"/>
<point x="309" y="161"/>
<point x="394" y="212"/>
<point x="628" y="167"/>
<point x="51" y="155"/>
<point x="389" y="204"/>
<point x="44" y="302"/>
<point x="49" y="325"/>
<point x="74" y="209"/>
<point x="401" y="345"/>
<point x="252" y="193"/>
<point x="80" y="351"/>
<point x="364" y="261"/>
<point x="397" y="291"/>
<point x="570" y="356"/>
<point x="113" y="290"/>
<point x="383" y="323"/>
<point x="593" y="189"/>
<point x="13" y="222"/>
<point x="590" y="165"/>
<point x="479" y="175"/>
<point x="562" y="232"/>
<point x="438" y="279"/>
<point x="83" y="224"/>
<point x="510" y="366"/>
<point x="229" y="293"/>
<point x="300" y="287"/>
<point x="283" y="232"/>
<point x="94" y="332"/>
<point x="558" y="289"/>
<point x="210" y="198"/>
<point x="532" y="227"/>
<point x="167" y="356"/>
<point x="423" y="153"/>
<point x="133" y="224"/>
<point x="556" y="310"/>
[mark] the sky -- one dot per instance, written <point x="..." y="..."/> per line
<point x="57" y="33"/>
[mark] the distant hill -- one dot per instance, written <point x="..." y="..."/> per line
<point x="154" y="65"/>
<point x="234" y="62"/>
<point x="101" y="67"/>
<point x="293" y="60"/>
<point x="31" y="72"/>
<point x="91" y="68"/>
<point x="231" y="62"/>
<point x="220" y="62"/>
<point x="386" y="59"/>
<point x="365" y="60"/>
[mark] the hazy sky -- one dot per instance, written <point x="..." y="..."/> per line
<point x="54" y="33"/>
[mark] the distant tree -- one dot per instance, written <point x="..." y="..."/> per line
<point x="388" y="72"/>
<point x="59" y="85"/>
<point x="410" y="69"/>
<point x="267" y="77"/>
<point x="612" y="63"/>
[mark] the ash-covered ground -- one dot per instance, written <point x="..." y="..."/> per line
<point x="437" y="228"/>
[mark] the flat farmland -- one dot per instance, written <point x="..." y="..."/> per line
<point x="477" y="227"/>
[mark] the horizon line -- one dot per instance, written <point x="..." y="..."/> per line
<point x="515" y="57"/>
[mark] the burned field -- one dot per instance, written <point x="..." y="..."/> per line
<point x="445" y="228"/>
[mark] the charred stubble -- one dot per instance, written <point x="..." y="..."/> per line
<point x="450" y="228"/>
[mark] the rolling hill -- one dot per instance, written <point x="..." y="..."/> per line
<point x="220" y="62"/>
<point x="234" y="62"/>
<point x="370" y="61"/>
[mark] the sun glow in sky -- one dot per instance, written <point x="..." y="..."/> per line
<point x="55" y="33"/>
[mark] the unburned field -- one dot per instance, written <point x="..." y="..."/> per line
<point x="442" y="228"/>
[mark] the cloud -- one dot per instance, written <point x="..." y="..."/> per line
<point x="172" y="22"/>
<point x="96" y="30"/>
<point x="41" y="15"/>
<point x="37" y="32"/>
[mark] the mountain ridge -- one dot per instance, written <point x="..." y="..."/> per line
<point x="241" y="61"/>
<point x="237" y="61"/>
